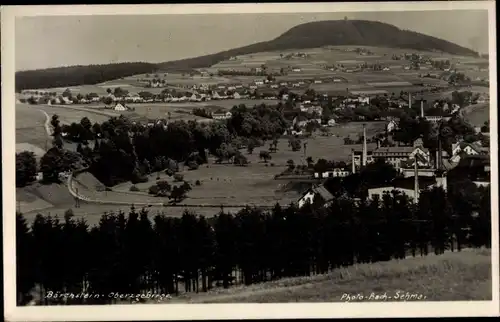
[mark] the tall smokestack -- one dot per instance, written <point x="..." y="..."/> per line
<point x="436" y="161"/>
<point x="353" y="163"/>
<point x="409" y="99"/>
<point x="416" y="193"/>
<point x="422" y="108"/>
<point x="364" y="146"/>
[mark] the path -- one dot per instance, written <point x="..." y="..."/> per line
<point x="47" y="123"/>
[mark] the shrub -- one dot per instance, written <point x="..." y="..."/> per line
<point x="178" y="177"/>
<point x="108" y="189"/>
<point x="134" y="188"/>
<point x="169" y="172"/>
<point x="198" y="183"/>
<point x="272" y="164"/>
<point x="153" y="190"/>
<point x="193" y="165"/>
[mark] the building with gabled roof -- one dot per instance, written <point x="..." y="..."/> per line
<point x="316" y="192"/>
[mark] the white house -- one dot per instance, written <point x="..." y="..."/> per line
<point x="337" y="172"/>
<point x="331" y="122"/>
<point x="296" y="70"/>
<point x="386" y="68"/>
<point x="220" y="115"/>
<point x="119" y="107"/>
<point x="392" y="125"/>
<point x="364" y="99"/>
<point x="195" y="98"/>
<point x="462" y="148"/>
<point x="259" y="82"/>
<point x="316" y="192"/>
<point x="318" y="81"/>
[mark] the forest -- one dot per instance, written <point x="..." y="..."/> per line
<point x="78" y="75"/>
<point x="136" y="254"/>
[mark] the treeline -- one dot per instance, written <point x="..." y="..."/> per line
<point x="132" y="255"/>
<point x="123" y="150"/>
<point x="78" y="75"/>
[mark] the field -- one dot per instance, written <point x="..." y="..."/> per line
<point x="452" y="276"/>
<point x="477" y="114"/>
<point x="182" y="111"/>
<point x="30" y="129"/>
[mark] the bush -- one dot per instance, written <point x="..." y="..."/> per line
<point x="169" y="172"/>
<point x="134" y="188"/>
<point x="153" y="190"/>
<point x="139" y="179"/>
<point x="192" y="165"/>
<point x="178" y="177"/>
<point x="108" y="189"/>
<point x="272" y="164"/>
<point x="198" y="183"/>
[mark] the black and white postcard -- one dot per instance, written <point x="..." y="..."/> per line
<point x="338" y="156"/>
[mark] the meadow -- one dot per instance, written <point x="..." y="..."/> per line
<point x="30" y="129"/>
<point x="477" y="114"/>
<point x="452" y="276"/>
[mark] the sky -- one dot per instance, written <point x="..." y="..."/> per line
<point x="53" y="41"/>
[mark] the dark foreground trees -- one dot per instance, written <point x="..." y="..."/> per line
<point x="132" y="254"/>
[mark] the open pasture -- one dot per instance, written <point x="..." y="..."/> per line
<point x="477" y="114"/>
<point x="68" y="115"/>
<point x="30" y="126"/>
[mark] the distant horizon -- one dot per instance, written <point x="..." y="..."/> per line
<point x="93" y="40"/>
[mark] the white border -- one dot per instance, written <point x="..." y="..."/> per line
<point x="226" y="311"/>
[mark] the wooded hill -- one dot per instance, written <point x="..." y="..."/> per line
<point x="308" y="35"/>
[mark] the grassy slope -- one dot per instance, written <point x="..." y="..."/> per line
<point x="451" y="276"/>
<point x="477" y="114"/>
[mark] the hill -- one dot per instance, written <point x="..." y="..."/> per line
<point x="308" y="35"/>
<point x="332" y="33"/>
<point x="78" y="75"/>
<point x="433" y="277"/>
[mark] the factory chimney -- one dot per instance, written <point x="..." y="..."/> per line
<point x="353" y="163"/>
<point x="422" y="108"/>
<point x="409" y="100"/>
<point x="365" y="153"/>
<point x="416" y="192"/>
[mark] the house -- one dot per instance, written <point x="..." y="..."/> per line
<point x="337" y="172"/>
<point x="296" y="70"/>
<point x="66" y="100"/>
<point x="392" y="125"/>
<point x="318" y="81"/>
<point x="386" y="68"/>
<point x="259" y="82"/>
<point x="462" y="149"/>
<point x="119" y="107"/>
<point x="283" y="84"/>
<point x="364" y="100"/>
<point x="331" y="122"/>
<point x="236" y="95"/>
<point x="221" y="115"/>
<point x="274" y="86"/>
<point x="196" y="98"/>
<point x="318" y="192"/>
<point x="300" y="121"/>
